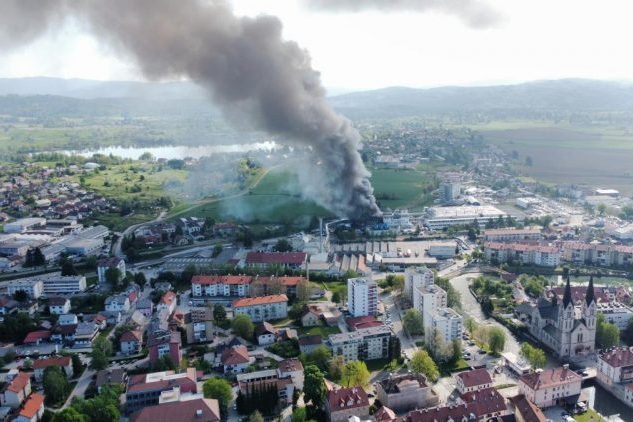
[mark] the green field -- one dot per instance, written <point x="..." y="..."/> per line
<point x="562" y="154"/>
<point x="400" y="188"/>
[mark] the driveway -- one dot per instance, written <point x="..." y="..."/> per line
<point x="80" y="388"/>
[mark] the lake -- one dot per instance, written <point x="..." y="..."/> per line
<point x="174" y="152"/>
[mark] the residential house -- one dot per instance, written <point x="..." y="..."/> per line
<point x="308" y="343"/>
<point x="7" y="305"/>
<point x="404" y="392"/>
<point x="364" y="344"/>
<point x="206" y="286"/>
<point x="36" y="338"/>
<point x="105" y="264"/>
<point x="58" y="305"/>
<point x="114" y="376"/>
<point x="17" y="390"/>
<point x="131" y="342"/>
<point x="615" y="366"/>
<point x="474" y="380"/>
<point x="294" y="369"/>
<point x="117" y="303"/>
<point x="310" y="317"/>
<point x="286" y="379"/>
<point x="32" y="410"/>
<point x="40" y="365"/>
<point x="266" y="333"/>
<point x="343" y="403"/>
<point x="168" y="302"/>
<point x="483" y="405"/>
<point x="146" y="307"/>
<point x="67" y="319"/>
<point x="164" y="343"/>
<point x="525" y="410"/>
<point x="551" y="387"/>
<point x="235" y="359"/>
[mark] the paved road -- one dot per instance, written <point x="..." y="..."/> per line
<point x="80" y="388"/>
<point x="407" y="344"/>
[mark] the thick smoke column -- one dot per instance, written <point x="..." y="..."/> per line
<point x="474" y="13"/>
<point x="244" y="63"/>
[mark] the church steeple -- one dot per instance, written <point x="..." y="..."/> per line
<point x="590" y="295"/>
<point x="567" y="295"/>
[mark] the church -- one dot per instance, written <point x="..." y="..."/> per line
<point x="568" y="330"/>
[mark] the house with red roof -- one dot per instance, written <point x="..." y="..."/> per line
<point x="474" y="380"/>
<point x="17" y="390"/>
<point x="615" y="366"/>
<point x="262" y="308"/>
<point x="168" y="302"/>
<point x="40" y="365"/>
<point x="164" y="343"/>
<point x="342" y="403"/>
<point x="37" y="337"/>
<point x="220" y="285"/>
<point x="33" y="409"/>
<point x="131" y="342"/>
<point x="235" y="359"/>
<point x="551" y="386"/>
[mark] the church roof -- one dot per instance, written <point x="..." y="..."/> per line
<point x="590" y="295"/>
<point x="547" y="310"/>
<point x="567" y="300"/>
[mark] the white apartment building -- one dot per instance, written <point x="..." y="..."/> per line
<point x="448" y="323"/>
<point x="364" y="344"/>
<point x="415" y="278"/>
<point x="105" y="264"/>
<point x="59" y="305"/>
<point x="263" y="308"/>
<point x="428" y="300"/>
<point x="616" y="366"/>
<point x="550" y="387"/>
<point x="58" y="284"/>
<point x="220" y="285"/>
<point x="530" y="254"/>
<point x="33" y="288"/>
<point x="615" y="313"/>
<point x="362" y="297"/>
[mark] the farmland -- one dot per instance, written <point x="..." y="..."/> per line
<point x="594" y="157"/>
<point x="400" y="188"/>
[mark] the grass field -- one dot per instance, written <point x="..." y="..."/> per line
<point x="400" y="188"/>
<point x="594" y="157"/>
<point x="323" y="331"/>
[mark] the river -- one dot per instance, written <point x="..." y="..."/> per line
<point x="172" y="151"/>
<point x="607" y="405"/>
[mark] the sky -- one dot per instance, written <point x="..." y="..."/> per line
<point x="533" y="40"/>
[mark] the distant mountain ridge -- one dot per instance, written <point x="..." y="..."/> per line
<point x="564" y="95"/>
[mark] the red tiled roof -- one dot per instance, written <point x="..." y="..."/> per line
<point x="221" y="279"/>
<point x="384" y="414"/>
<point x="261" y="300"/>
<point x="132" y="336"/>
<point x="290" y="365"/>
<point x="181" y="411"/>
<point x="578" y="293"/>
<point x="618" y="357"/>
<point x="45" y="363"/>
<point x="356" y="323"/>
<point x="19" y="382"/>
<point x="34" y="336"/>
<point x="521" y="247"/>
<point x="235" y="355"/>
<point x="475" y="377"/>
<point x="550" y="377"/>
<point x="310" y="340"/>
<point x="32" y="405"/>
<point x="291" y="258"/>
<point x="528" y="410"/>
<point x="57" y="301"/>
<point x="291" y="281"/>
<point x="347" y="398"/>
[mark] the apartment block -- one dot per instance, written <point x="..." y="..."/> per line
<point x="362" y="297"/>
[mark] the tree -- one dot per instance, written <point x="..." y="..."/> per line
<point x="299" y="415"/>
<point x="320" y="357"/>
<point x="602" y="209"/>
<point x="140" y="279"/>
<point x="101" y="350"/>
<point x="422" y="363"/>
<point x="336" y="367"/>
<point x="77" y="365"/>
<point x="256" y="417"/>
<point x="456" y="350"/>
<point x="336" y="297"/>
<point x="219" y="313"/>
<point x="56" y="386"/>
<point x="68" y="268"/>
<point x="219" y="389"/>
<point x="21" y="296"/>
<point x="355" y="373"/>
<point x="217" y="250"/>
<point x="496" y="340"/>
<point x="607" y="334"/>
<point x="102" y="408"/>
<point x="34" y="258"/>
<point x="243" y="326"/>
<point x="627" y="334"/>
<point x="282" y="245"/>
<point x="303" y="291"/>
<point x="313" y="386"/>
<point x="412" y="322"/>
<point x="113" y="276"/>
<point x="68" y="415"/>
<point x="535" y="356"/>
<point x="471" y="325"/>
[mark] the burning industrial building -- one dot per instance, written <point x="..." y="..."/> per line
<point x="244" y="63"/>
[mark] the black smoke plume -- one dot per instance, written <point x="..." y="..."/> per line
<point x="475" y="13"/>
<point x="249" y="70"/>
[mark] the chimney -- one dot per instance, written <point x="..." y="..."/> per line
<point x="320" y="234"/>
<point x="199" y="413"/>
